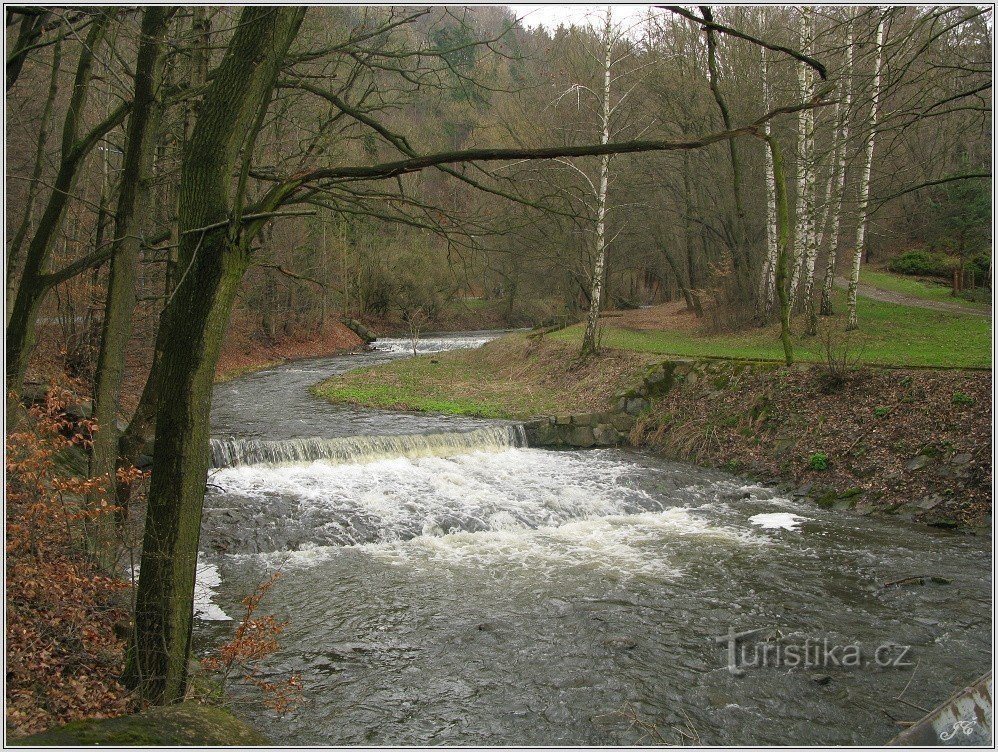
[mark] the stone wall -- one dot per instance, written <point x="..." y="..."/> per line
<point x="613" y="427"/>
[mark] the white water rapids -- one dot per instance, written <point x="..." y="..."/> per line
<point x="445" y="584"/>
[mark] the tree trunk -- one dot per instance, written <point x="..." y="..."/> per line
<point x="589" y="343"/>
<point x="767" y="283"/>
<point x="130" y="220"/>
<point x="213" y="263"/>
<point x="864" y="184"/>
<point x="137" y="438"/>
<point x="803" y="272"/>
<point x="783" y="222"/>
<point x="842" y="118"/>
<point x="740" y="255"/>
<point x="14" y="252"/>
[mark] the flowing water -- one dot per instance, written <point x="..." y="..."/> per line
<point x="447" y="585"/>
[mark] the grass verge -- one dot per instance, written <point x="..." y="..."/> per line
<point x="513" y="377"/>
<point x="889" y="334"/>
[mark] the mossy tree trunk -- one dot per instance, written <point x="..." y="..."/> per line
<point x="137" y="437"/>
<point x="130" y="221"/>
<point x="212" y="262"/>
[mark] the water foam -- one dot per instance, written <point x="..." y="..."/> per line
<point x="232" y="452"/>
<point x="537" y="508"/>
<point x="428" y="345"/>
<point x="778" y="521"/>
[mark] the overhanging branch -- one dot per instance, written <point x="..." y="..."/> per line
<point x="710" y="24"/>
<point x="285" y="191"/>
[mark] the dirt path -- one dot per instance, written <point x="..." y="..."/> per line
<point x="889" y="296"/>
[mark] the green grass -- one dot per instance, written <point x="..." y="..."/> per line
<point x="889" y="334"/>
<point x="513" y="377"/>
<point x="916" y="288"/>
<point x="404" y="398"/>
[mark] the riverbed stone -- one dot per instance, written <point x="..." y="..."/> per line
<point x="584" y="419"/>
<point x="563" y="420"/>
<point x="918" y="462"/>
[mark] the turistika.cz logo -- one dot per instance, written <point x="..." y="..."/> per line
<point x="768" y="648"/>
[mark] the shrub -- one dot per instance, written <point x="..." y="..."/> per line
<point x="923" y="264"/>
<point x="63" y="654"/>
<point x="818" y="461"/>
<point x="880" y="411"/>
<point x="960" y="398"/>
<point x="240" y="658"/>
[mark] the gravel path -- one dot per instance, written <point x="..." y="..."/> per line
<point x="889" y="296"/>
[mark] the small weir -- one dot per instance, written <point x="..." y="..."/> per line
<point x="234" y="452"/>
<point x="446" y="584"/>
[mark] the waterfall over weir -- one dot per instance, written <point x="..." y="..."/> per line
<point x="233" y="452"/>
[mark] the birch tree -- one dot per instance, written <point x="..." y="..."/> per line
<point x="589" y="343"/>
<point x="843" y="111"/>
<point x="767" y="287"/>
<point x="864" y="180"/>
<point x="803" y="272"/>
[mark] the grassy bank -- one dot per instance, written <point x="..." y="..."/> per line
<point x="513" y="377"/>
<point x="889" y="334"/>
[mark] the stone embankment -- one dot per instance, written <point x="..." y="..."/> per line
<point x="613" y="427"/>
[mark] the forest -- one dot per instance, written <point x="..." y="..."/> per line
<point x="192" y="190"/>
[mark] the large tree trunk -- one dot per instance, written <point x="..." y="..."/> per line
<point x="864" y="183"/>
<point x="589" y="343"/>
<point x="842" y="119"/>
<point x="137" y="438"/>
<point x="214" y="261"/>
<point x="130" y="219"/>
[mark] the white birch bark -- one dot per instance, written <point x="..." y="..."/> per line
<point x="768" y="283"/>
<point x="842" y="121"/>
<point x="599" y="267"/>
<point x="864" y="183"/>
<point x="804" y="230"/>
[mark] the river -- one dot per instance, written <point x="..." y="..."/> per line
<point x="445" y="584"/>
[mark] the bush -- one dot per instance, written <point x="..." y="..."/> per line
<point x="924" y="264"/>
<point x="64" y="655"/>
<point x="960" y="398"/>
<point x="818" y="461"/>
<point x="881" y="411"/>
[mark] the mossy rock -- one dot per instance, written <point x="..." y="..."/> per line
<point x="188" y="724"/>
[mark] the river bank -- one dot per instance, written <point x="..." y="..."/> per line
<point x="913" y="443"/>
<point x="242" y="354"/>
